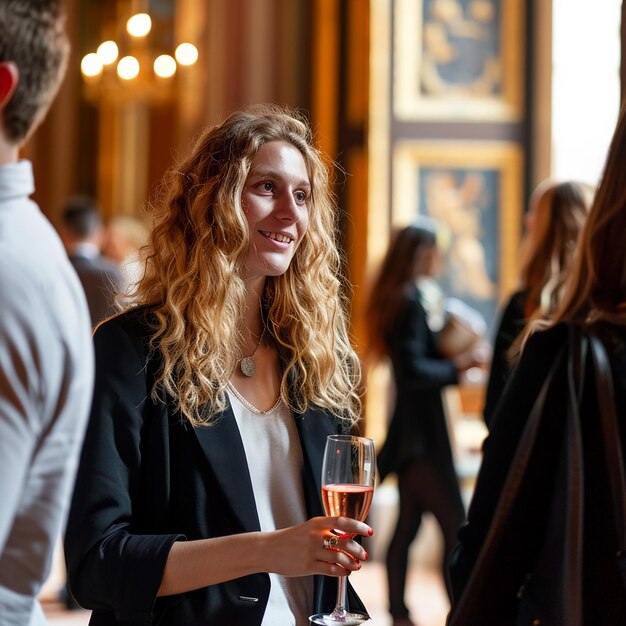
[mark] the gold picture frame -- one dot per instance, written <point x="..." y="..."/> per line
<point x="473" y="189"/>
<point x="459" y="60"/>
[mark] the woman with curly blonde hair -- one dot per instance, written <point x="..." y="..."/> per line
<point x="198" y="495"/>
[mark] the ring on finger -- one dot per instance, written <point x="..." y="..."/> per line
<point x="331" y="542"/>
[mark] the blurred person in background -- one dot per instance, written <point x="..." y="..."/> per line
<point x="126" y="235"/>
<point x="553" y="224"/>
<point x="82" y="233"/>
<point x="405" y="312"/>
<point x="46" y="353"/>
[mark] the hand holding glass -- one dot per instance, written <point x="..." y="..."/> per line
<point x="348" y="474"/>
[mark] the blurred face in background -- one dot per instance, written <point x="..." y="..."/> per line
<point x="124" y="238"/>
<point x="538" y="214"/>
<point x="428" y="261"/>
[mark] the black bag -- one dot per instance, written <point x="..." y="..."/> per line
<point x="552" y="592"/>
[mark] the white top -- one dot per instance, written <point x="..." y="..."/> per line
<point x="433" y="301"/>
<point x="46" y="379"/>
<point x="274" y="456"/>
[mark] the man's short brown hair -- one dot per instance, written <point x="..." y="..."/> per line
<point x="32" y="35"/>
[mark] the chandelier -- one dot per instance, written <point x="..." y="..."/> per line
<point x="139" y="62"/>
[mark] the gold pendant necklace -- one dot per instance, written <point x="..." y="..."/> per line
<point x="247" y="364"/>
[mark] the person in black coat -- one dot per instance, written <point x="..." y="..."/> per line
<point x="198" y="496"/>
<point x="594" y="298"/>
<point x="82" y="232"/>
<point x="553" y="224"/>
<point x="417" y="447"/>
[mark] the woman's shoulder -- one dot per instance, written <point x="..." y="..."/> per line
<point x="550" y="340"/>
<point x="134" y="326"/>
<point x="542" y="348"/>
<point x="609" y="333"/>
<point x="137" y="320"/>
<point x="551" y="335"/>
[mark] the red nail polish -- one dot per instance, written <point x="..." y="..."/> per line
<point x="370" y="532"/>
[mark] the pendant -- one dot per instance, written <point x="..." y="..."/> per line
<point x="247" y="366"/>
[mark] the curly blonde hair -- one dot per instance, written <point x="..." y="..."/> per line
<point x="193" y="277"/>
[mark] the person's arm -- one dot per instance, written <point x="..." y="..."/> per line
<point x="293" y="551"/>
<point x="499" y="449"/>
<point x="43" y="410"/>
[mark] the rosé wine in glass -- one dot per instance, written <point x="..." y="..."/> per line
<point x="348" y="475"/>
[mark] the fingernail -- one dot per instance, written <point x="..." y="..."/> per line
<point x="370" y="532"/>
<point x="366" y="555"/>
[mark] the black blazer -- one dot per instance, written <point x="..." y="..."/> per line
<point x="148" y="479"/>
<point x="418" y="427"/>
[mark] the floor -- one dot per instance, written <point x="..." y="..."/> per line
<point x="425" y="596"/>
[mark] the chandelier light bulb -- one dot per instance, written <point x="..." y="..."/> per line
<point x="91" y="65"/>
<point x="128" y="68"/>
<point x="107" y="52"/>
<point x="164" y="66"/>
<point x="186" y="54"/>
<point x="139" y="25"/>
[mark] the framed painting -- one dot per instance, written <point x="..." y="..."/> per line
<point x="474" y="191"/>
<point x="458" y="60"/>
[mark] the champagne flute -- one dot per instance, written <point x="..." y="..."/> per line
<point x="348" y="474"/>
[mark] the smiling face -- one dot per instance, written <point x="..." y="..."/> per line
<point x="275" y="200"/>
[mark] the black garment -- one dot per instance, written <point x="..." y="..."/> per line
<point x="604" y="597"/>
<point x="102" y="281"/>
<point x="417" y="444"/>
<point x="511" y="324"/>
<point x="148" y="479"/>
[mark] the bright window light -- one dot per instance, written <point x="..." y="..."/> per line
<point x="585" y="86"/>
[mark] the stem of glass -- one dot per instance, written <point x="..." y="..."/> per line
<point x="340" y="612"/>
